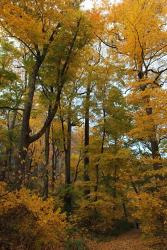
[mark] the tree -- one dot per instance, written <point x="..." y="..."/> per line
<point x="137" y="36"/>
<point x="41" y="27"/>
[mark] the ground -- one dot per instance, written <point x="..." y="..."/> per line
<point x="128" y="241"/>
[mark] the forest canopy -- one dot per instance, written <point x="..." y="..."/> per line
<point x="83" y="122"/>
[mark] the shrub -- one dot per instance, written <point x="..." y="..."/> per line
<point x="151" y="213"/>
<point x="28" y="222"/>
<point x="99" y="217"/>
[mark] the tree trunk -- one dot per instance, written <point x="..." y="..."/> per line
<point x="67" y="197"/>
<point x="68" y="153"/>
<point x="53" y="162"/>
<point x="11" y="125"/>
<point x="86" y="139"/>
<point x="46" y="171"/>
<point x="25" y="128"/>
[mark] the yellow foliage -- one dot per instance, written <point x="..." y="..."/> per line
<point x="99" y="216"/>
<point x="46" y="225"/>
<point x="138" y="25"/>
<point x="149" y="207"/>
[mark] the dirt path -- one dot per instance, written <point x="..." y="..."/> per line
<point x="129" y="241"/>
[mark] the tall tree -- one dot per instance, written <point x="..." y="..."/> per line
<point x="40" y="27"/>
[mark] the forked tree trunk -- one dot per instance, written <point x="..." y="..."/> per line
<point x="25" y="127"/>
<point x="25" y="138"/>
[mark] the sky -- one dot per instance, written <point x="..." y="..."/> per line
<point x="89" y="3"/>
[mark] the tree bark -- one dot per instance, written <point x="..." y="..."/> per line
<point x="68" y="153"/>
<point x="46" y="171"/>
<point x="86" y="139"/>
<point x="67" y="159"/>
<point x="25" y="128"/>
<point x="53" y="161"/>
<point x="67" y="197"/>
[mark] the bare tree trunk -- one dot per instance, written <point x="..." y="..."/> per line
<point x="68" y="153"/>
<point x="25" y="128"/>
<point x="53" y="162"/>
<point x="86" y="139"/>
<point x="67" y="159"/>
<point x="46" y="171"/>
<point x="67" y="197"/>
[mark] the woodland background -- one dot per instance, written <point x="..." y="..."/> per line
<point x="83" y="122"/>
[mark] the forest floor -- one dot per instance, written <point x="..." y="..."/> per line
<point x="128" y="241"/>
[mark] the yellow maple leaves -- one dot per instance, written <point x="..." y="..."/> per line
<point x="34" y="22"/>
<point x="49" y="225"/>
<point x="137" y="29"/>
